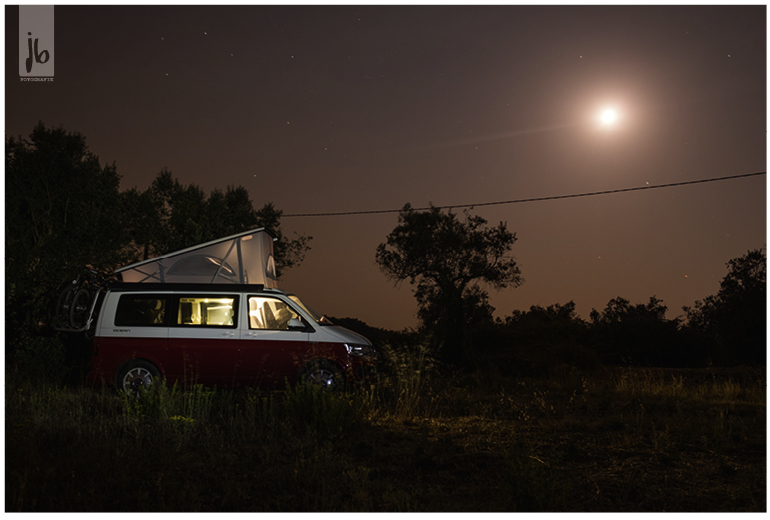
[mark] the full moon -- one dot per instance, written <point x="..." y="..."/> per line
<point x="609" y="116"/>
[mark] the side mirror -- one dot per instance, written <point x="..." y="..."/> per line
<point x="296" y="324"/>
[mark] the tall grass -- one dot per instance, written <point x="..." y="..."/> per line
<point x="673" y="385"/>
<point x="703" y="410"/>
<point x="419" y="441"/>
<point x="61" y="439"/>
<point x="405" y="390"/>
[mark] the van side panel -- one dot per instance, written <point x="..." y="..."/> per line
<point x="114" y="350"/>
<point x="209" y="360"/>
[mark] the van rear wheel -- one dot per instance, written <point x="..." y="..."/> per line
<point x="137" y="377"/>
<point x="323" y="373"/>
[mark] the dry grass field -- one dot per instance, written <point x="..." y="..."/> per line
<point x="604" y="440"/>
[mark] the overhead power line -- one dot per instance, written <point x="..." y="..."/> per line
<point x="536" y="199"/>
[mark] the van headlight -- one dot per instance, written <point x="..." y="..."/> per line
<point x="360" y="349"/>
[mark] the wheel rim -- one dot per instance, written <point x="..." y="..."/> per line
<point x="322" y="377"/>
<point x="136" y="381"/>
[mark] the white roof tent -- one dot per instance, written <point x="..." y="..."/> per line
<point x="244" y="258"/>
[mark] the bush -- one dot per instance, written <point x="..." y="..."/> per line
<point x="38" y="358"/>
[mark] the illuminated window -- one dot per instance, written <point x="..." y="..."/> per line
<point x="207" y="311"/>
<point x="270" y="313"/>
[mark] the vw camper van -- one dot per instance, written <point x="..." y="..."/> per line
<point x="198" y="317"/>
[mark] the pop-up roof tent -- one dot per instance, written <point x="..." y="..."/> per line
<point x="245" y="258"/>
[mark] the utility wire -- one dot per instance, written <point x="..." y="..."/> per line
<point x="537" y="199"/>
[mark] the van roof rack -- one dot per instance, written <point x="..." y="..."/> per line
<point x="244" y="258"/>
<point x="172" y="287"/>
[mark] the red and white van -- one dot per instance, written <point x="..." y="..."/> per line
<point x="212" y="315"/>
<point x="221" y="334"/>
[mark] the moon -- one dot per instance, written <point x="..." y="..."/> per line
<point x="608" y="117"/>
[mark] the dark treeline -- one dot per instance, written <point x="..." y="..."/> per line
<point x="726" y="329"/>
<point x="640" y="334"/>
<point x="65" y="211"/>
<point x="452" y="261"/>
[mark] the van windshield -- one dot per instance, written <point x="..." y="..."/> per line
<point x="317" y="316"/>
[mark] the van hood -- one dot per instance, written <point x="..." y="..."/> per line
<point x="344" y="335"/>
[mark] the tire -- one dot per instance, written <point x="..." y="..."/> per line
<point x="323" y="373"/>
<point x="64" y="306"/>
<point x="81" y="306"/>
<point x="137" y="377"/>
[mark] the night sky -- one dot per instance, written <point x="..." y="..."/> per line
<point x="350" y="108"/>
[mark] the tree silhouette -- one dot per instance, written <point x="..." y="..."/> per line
<point x="534" y="341"/>
<point x="62" y="211"/>
<point x="641" y="335"/>
<point x="448" y="260"/>
<point x="735" y="318"/>
<point x="60" y="202"/>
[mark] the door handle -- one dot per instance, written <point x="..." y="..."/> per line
<point x="229" y="333"/>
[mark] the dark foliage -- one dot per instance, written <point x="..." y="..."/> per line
<point x="635" y="335"/>
<point x="376" y="335"/>
<point x="60" y="216"/>
<point x="537" y="340"/>
<point x="448" y="260"/>
<point x="733" y="322"/>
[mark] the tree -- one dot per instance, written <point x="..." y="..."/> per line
<point x="60" y="202"/>
<point x="735" y="318"/>
<point x="640" y="334"/>
<point x="555" y="324"/>
<point x="62" y="211"/>
<point x="447" y="260"/>
<point x="542" y="338"/>
<point x="288" y="253"/>
<point x="169" y="216"/>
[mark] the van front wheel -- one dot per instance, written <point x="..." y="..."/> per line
<point x="137" y="377"/>
<point x="323" y="373"/>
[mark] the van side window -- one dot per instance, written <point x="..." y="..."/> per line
<point x="141" y="310"/>
<point x="269" y="313"/>
<point x="207" y="311"/>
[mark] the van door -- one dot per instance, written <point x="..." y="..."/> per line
<point x="271" y="354"/>
<point x="203" y="339"/>
<point x="132" y="326"/>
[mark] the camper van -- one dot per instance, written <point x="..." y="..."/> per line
<point x="212" y="315"/>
